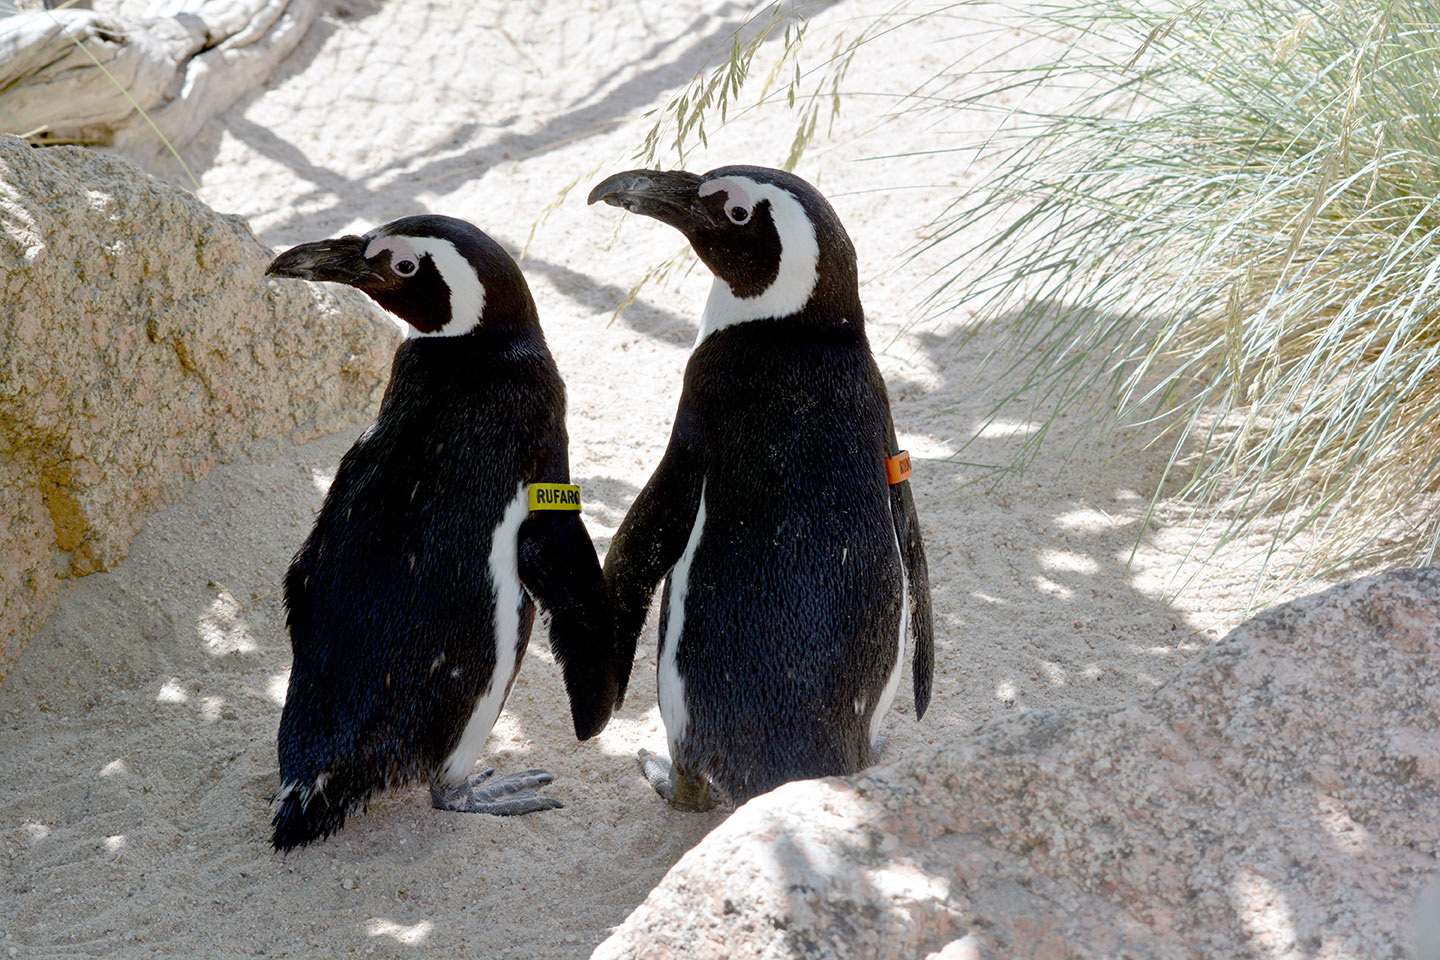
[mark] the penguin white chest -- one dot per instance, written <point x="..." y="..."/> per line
<point x="671" y="685"/>
<point x="505" y="582"/>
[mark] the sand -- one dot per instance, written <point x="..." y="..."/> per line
<point x="137" y="733"/>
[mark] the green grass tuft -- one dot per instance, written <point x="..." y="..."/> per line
<point x="1233" y="236"/>
<point x="1228" y="239"/>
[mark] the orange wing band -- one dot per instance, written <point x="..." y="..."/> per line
<point x="897" y="468"/>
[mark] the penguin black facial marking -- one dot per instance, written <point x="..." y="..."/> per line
<point x="437" y="274"/>
<point x="742" y="246"/>
<point x="438" y="293"/>
<point x="764" y="254"/>
<point x="771" y="240"/>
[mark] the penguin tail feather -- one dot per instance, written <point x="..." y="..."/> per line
<point x="304" y="815"/>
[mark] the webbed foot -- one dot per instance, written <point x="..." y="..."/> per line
<point x="680" y="790"/>
<point x="506" y="796"/>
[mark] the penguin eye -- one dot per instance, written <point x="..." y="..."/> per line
<point x="405" y="267"/>
<point x="737" y="214"/>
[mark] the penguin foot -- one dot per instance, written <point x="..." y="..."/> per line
<point x="681" y="791"/>
<point x="507" y="796"/>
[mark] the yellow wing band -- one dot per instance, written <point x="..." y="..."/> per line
<point x="554" y="496"/>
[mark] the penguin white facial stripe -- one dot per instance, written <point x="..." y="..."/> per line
<point x="467" y="293"/>
<point x="887" y="696"/>
<point x="670" y="685"/>
<point x="799" y="263"/>
<point x="399" y="248"/>
<point x="738" y="202"/>
<point x="505" y="576"/>
<point x="734" y="188"/>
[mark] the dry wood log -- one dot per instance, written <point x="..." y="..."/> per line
<point x="77" y="76"/>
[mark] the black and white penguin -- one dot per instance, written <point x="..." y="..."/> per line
<point x="410" y="604"/>
<point x="795" y="570"/>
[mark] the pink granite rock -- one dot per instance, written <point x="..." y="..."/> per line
<point x="1280" y="798"/>
<point x="140" y="345"/>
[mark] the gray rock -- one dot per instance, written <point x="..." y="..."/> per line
<point x="1280" y="798"/>
<point x="140" y="345"/>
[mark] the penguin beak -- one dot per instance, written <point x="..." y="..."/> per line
<point x="670" y="196"/>
<point x="341" y="260"/>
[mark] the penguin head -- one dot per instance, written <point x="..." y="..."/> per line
<point x="442" y="276"/>
<point x="774" y="244"/>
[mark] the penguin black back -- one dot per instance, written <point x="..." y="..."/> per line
<point x="409" y="603"/>
<point x="794" y="571"/>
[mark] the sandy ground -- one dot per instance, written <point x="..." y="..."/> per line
<point x="137" y="734"/>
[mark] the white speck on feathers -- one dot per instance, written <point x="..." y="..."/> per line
<point x="307" y="793"/>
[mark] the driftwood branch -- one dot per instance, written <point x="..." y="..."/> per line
<point x="77" y="76"/>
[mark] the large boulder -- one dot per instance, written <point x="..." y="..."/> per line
<point x="140" y="345"/>
<point x="1280" y="798"/>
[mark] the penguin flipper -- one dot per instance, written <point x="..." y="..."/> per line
<point x="559" y="568"/>
<point x="917" y="572"/>
<point x="650" y="540"/>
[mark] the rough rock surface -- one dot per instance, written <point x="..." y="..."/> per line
<point x="76" y="76"/>
<point x="140" y="345"/>
<point x="1280" y="798"/>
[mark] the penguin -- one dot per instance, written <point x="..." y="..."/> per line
<point x="410" y="604"/>
<point x="795" y="575"/>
